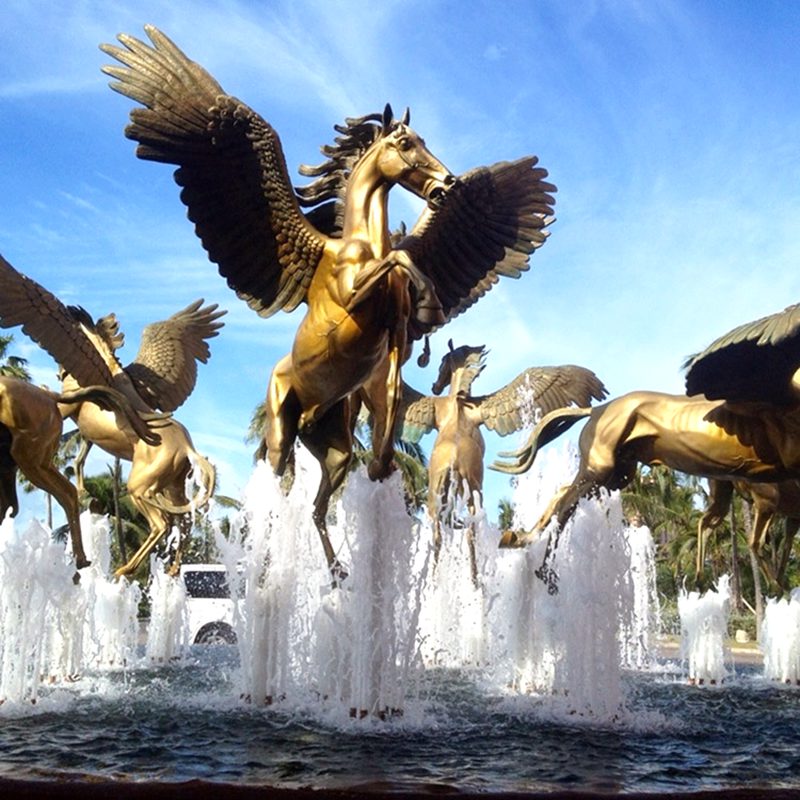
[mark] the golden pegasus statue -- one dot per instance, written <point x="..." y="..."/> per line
<point x="328" y="244"/>
<point x="30" y="433"/>
<point x="455" y="467"/>
<point x="740" y="421"/>
<point x="160" y="378"/>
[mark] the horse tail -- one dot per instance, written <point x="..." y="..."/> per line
<point x="208" y="482"/>
<point x="113" y="400"/>
<point x="550" y="427"/>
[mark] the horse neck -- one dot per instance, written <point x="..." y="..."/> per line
<point x="366" y="205"/>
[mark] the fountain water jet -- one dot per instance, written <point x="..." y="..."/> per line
<point x="704" y="625"/>
<point x="301" y="640"/>
<point x="780" y="639"/>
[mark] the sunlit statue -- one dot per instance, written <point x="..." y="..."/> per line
<point x="30" y="433"/>
<point x="768" y="500"/>
<point x="366" y="299"/>
<point x="741" y="420"/>
<point x="455" y="468"/>
<point x="160" y="378"/>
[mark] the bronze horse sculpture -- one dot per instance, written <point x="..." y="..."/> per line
<point x="455" y="468"/>
<point x="30" y="433"/>
<point x="160" y="378"/>
<point x="742" y="421"/>
<point x="367" y="299"/>
<point x="768" y="500"/>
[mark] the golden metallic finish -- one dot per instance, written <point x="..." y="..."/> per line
<point x="30" y="433"/>
<point x="160" y="378"/>
<point x="367" y="298"/>
<point x="768" y="501"/>
<point x="455" y="468"/>
<point x="742" y="422"/>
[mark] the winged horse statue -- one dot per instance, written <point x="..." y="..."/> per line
<point x="740" y="421"/>
<point x="160" y="378"/>
<point x="328" y="244"/>
<point x="455" y="468"/>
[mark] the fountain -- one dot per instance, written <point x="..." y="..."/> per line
<point x="780" y="638"/>
<point x="405" y="677"/>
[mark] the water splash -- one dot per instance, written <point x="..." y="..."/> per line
<point x="780" y="639"/>
<point x="704" y="625"/>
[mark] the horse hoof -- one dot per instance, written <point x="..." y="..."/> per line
<point x="511" y="539"/>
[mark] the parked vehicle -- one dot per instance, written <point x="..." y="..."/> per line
<point x="209" y="606"/>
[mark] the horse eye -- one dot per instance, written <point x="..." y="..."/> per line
<point x="403" y="143"/>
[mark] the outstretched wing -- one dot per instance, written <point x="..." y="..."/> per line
<point x="231" y="167"/>
<point x="538" y="389"/>
<point x="416" y="415"/>
<point x="52" y="325"/>
<point x="165" y="368"/>
<point x="754" y="362"/>
<point x="487" y="228"/>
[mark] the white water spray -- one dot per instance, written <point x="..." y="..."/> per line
<point x="704" y="625"/>
<point x="780" y="639"/>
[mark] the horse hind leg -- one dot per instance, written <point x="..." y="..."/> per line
<point x="52" y="481"/>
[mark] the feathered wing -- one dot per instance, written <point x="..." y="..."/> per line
<point x="754" y="362"/>
<point x="165" y="368"/>
<point x="538" y="389"/>
<point x="416" y="415"/>
<point x="232" y="169"/>
<point x="487" y="228"/>
<point x="52" y="325"/>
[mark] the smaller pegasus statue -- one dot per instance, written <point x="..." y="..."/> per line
<point x="456" y="462"/>
<point x="160" y="378"/>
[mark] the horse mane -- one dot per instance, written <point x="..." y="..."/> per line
<point x="330" y="184"/>
<point x="106" y="328"/>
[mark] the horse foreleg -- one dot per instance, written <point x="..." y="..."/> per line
<point x="281" y="417"/>
<point x="331" y="443"/>
<point x="761" y="524"/>
<point x="79" y="464"/>
<point x="792" y="526"/>
<point x="720" y="494"/>
<point x="383" y="439"/>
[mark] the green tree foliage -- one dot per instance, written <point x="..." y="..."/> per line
<point x="12" y="366"/>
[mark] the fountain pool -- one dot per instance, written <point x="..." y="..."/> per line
<point x="502" y="689"/>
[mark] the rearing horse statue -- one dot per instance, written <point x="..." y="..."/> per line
<point x="456" y="460"/>
<point x="161" y="377"/>
<point x="367" y="298"/>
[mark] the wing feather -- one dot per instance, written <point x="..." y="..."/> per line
<point x="52" y="325"/>
<point x="231" y="170"/>
<point x="754" y="362"/>
<point x="538" y="389"/>
<point x="490" y="224"/>
<point x="416" y="416"/>
<point x="165" y="368"/>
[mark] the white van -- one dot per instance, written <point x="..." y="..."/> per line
<point x="209" y="607"/>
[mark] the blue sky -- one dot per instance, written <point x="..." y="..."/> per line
<point x="670" y="128"/>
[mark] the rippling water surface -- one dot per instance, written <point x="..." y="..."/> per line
<point x="186" y="721"/>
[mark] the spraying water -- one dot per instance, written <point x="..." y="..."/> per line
<point x="704" y="625"/>
<point x="780" y="639"/>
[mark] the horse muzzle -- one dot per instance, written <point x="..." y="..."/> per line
<point x="436" y="191"/>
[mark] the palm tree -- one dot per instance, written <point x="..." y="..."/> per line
<point x="12" y="366"/>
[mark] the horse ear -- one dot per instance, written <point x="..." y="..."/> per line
<point x="406" y="116"/>
<point x="388" y="116"/>
<point x="450" y="345"/>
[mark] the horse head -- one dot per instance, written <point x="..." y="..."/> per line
<point x="402" y="157"/>
<point x="465" y="363"/>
